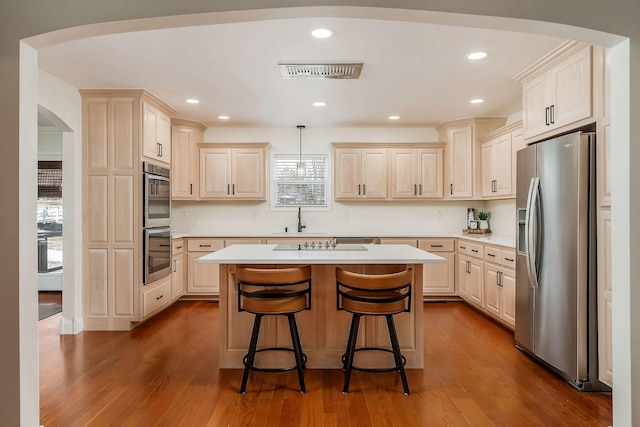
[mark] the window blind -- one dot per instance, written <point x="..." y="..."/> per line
<point x="308" y="189"/>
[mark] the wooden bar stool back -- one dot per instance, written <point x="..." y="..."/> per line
<point x="373" y="295"/>
<point x="274" y="292"/>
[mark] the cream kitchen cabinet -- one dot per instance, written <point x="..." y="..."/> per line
<point x="185" y="135"/>
<point x="416" y="173"/>
<point x="202" y="279"/>
<point x="156" y="134"/>
<point x="360" y="173"/>
<point x="498" y="160"/>
<point x="155" y="296"/>
<point x="500" y="284"/>
<point x="439" y="279"/>
<point x="557" y="89"/>
<point x="461" y="174"/>
<point x="471" y="279"/>
<point x="112" y="154"/>
<point x="233" y="172"/>
<point x="605" y="297"/>
<point x="178" y="273"/>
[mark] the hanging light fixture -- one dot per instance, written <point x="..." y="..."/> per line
<point x="300" y="166"/>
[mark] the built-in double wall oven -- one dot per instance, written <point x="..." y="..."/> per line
<point x="156" y="222"/>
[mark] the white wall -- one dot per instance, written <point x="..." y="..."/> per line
<point x="370" y="218"/>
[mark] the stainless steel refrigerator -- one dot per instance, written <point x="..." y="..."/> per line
<point x="556" y="257"/>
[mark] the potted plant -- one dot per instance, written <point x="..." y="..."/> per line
<point x="483" y="216"/>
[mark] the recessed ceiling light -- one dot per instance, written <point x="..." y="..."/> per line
<point x="319" y="104"/>
<point x="477" y="55"/>
<point x="223" y="117"/>
<point x="321" y="33"/>
<point x="193" y="101"/>
<point x="477" y="101"/>
<point x="394" y="117"/>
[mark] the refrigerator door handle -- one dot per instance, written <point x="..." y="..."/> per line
<point x="532" y="231"/>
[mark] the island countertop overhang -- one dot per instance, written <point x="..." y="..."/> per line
<point x="374" y="254"/>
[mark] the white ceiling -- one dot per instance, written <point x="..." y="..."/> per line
<point x="414" y="70"/>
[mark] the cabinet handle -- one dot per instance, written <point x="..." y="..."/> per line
<point x="451" y="189"/>
<point x="509" y="259"/>
<point x="415" y="190"/>
<point x="174" y="265"/>
<point x="364" y="190"/>
<point x="233" y="189"/>
<point x="468" y="267"/>
<point x="179" y="247"/>
<point x="228" y="189"/>
<point x="358" y="189"/>
<point x="546" y="116"/>
<point x="420" y="189"/>
<point x="164" y="246"/>
<point x="436" y="246"/>
<point x="463" y="247"/>
<point x="190" y="188"/>
<point x="159" y="298"/>
<point x="499" y="278"/>
<point x="493" y="255"/>
<point x="204" y="246"/>
<point x="474" y="250"/>
<point x="494" y="185"/>
<point x="552" y="113"/>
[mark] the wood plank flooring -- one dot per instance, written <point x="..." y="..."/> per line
<point x="165" y="373"/>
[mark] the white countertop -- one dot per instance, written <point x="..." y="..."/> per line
<point x="486" y="239"/>
<point x="374" y="254"/>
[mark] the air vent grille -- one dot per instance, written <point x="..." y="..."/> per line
<point x="320" y="71"/>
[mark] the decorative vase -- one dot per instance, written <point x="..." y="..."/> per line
<point x="484" y="224"/>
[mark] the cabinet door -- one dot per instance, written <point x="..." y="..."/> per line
<point x="537" y="96"/>
<point x="476" y="283"/>
<point x="374" y="173"/>
<point x="429" y="172"/>
<point x="492" y="290"/>
<point x="605" y="294"/>
<point x="517" y="144"/>
<point x="163" y="134"/>
<point x="403" y="173"/>
<point x="177" y="277"/>
<point x="488" y="157"/>
<point x="248" y="173"/>
<point x="462" y="277"/>
<point x="182" y="146"/>
<point x="508" y="300"/>
<point x="502" y="165"/>
<point x="215" y="173"/>
<point x="202" y="278"/>
<point x="460" y="148"/>
<point x="439" y="279"/>
<point x="572" y="89"/>
<point x="156" y="134"/>
<point x="348" y="164"/>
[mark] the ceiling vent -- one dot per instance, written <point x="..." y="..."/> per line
<point x="320" y="71"/>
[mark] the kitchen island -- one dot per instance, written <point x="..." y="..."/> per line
<point x="323" y="329"/>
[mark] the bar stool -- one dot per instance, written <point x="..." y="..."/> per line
<point x="274" y="292"/>
<point x="373" y="295"/>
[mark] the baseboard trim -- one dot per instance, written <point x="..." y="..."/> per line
<point x="71" y="326"/>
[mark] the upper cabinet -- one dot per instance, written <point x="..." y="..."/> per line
<point x="461" y="173"/>
<point x="416" y="173"/>
<point x="498" y="161"/>
<point x="557" y="90"/>
<point x="233" y="171"/>
<point x="360" y="173"/>
<point x="156" y="133"/>
<point x="185" y="134"/>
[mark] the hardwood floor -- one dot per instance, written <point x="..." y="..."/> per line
<point x="165" y="373"/>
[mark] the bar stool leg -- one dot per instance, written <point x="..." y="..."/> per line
<point x="251" y="355"/>
<point x="297" y="350"/>
<point x="393" y="336"/>
<point x="351" y="349"/>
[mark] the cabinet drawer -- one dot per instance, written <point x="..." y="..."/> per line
<point x="177" y="247"/>
<point x="508" y="258"/>
<point x="156" y="298"/>
<point x="492" y="254"/>
<point x="205" y="245"/>
<point x="475" y="250"/>
<point x="437" y="245"/>
<point x="463" y="247"/>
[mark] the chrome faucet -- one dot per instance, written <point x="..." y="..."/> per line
<point x="300" y="224"/>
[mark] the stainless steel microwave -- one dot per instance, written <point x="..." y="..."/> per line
<point x="157" y="196"/>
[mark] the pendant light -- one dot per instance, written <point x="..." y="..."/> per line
<point x="300" y="166"/>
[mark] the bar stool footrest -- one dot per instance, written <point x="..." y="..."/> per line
<point x="358" y="368"/>
<point x="291" y="368"/>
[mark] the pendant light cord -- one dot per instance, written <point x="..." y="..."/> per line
<point x="300" y="127"/>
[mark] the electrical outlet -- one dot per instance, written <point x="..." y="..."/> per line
<point x="185" y="214"/>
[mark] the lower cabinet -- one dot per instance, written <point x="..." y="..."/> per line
<point x="500" y="288"/>
<point x="156" y="296"/>
<point x="471" y="280"/>
<point x="178" y="274"/>
<point x="202" y="278"/>
<point x="439" y="279"/>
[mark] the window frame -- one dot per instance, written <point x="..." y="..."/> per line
<point x="306" y="158"/>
